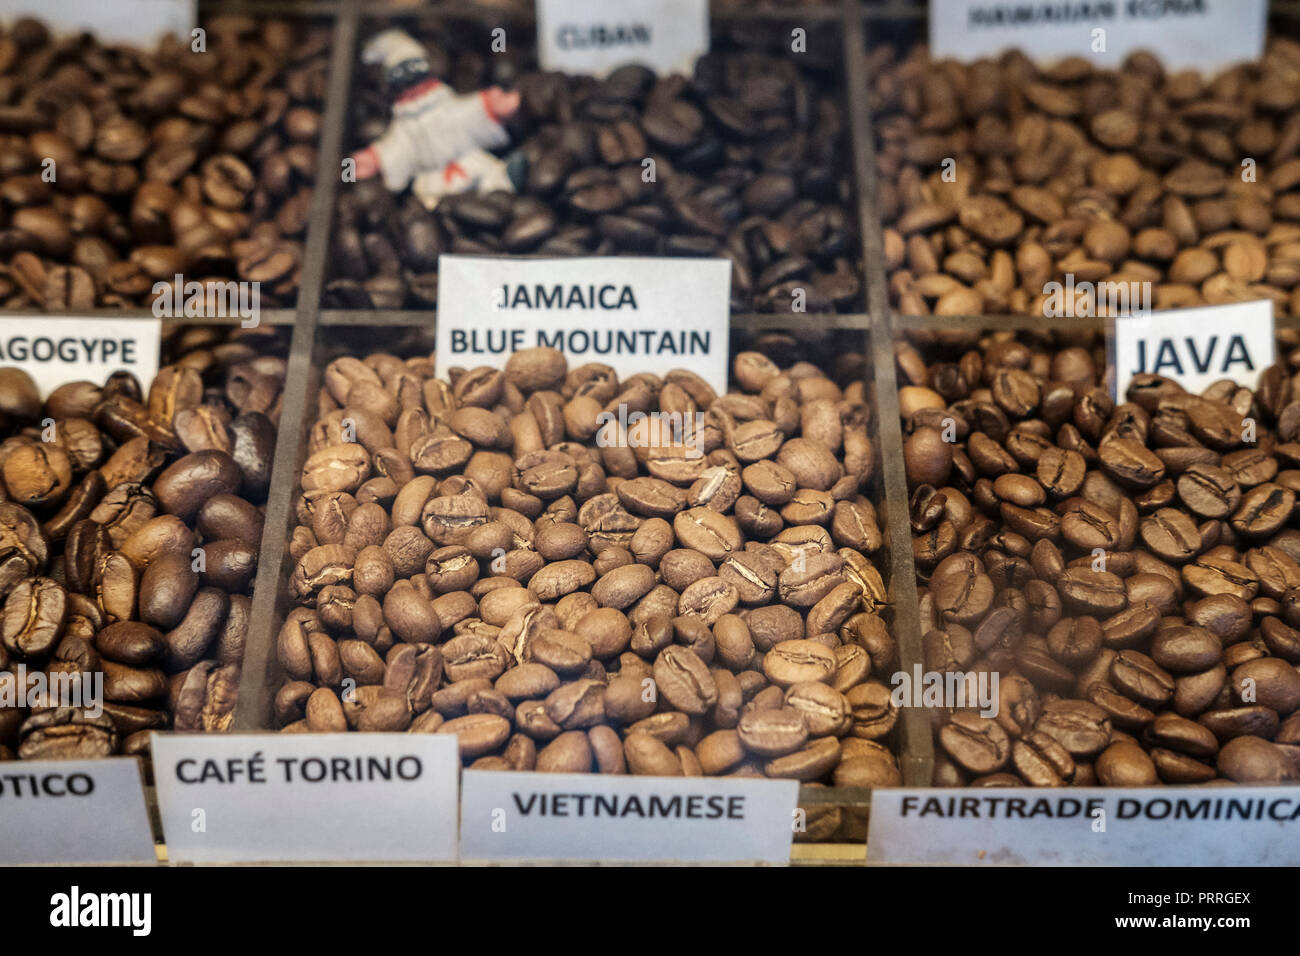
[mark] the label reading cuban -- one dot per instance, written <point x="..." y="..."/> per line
<point x="57" y="350"/>
<point x="121" y="21"/>
<point x="524" y="816"/>
<point x="307" y="797"/>
<point x="1090" y="826"/>
<point x="58" y="811"/>
<point x="1195" y="347"/>
<point x="1205" y="35"/>
<point x="578" y="36"/>
<point x="634" y="314"/>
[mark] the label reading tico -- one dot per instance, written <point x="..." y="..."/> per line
<point x="634" y="314"/>
<point x="57" y="350"/>
<point x="578" y="36"/>
<point x="512" y="816"/>
<point x="305" y="798"/>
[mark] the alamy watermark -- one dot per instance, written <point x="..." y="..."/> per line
<point x="1086" y="300"/>
<point x="55" y="689"/>
<point x="208" y="300"/>
<point x="954" y="689"/>
<point x="651" y="430"/>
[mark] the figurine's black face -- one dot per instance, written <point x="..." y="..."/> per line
<point x="402" y="76"/>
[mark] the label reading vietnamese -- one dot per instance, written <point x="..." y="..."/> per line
<point x="1195" y="347"/>
<point x="55" y="811"/>
<point x="577" y="36"/>
<point x="307" y="797"/>
<point x="634" y="314"/>
<point x="515" y="816"/>
<point x="1206" y="35"/>
<point x="1094" y="826"/>
<point x="54" y="350"/>
<point x="121" y="21"/>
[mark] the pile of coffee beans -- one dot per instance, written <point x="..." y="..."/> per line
<point x="123" y="167"/>
<point x="998" y="178"/>
<point x="749" y="163"/>
<point x="1131" y="571"/>
<point x="491" y="557"/>
<point x="130" y="529"/>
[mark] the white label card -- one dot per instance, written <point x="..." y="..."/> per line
<point x="526" y="816"/>
<point x="74" y="811"/>
<point x="1091" y="826"/>
<point x="635" y="314"/>
<point x="307" y="797"/>
<point x="1195" y="347"/>
<point x="578" y="36"/>
<point x="1205" y="35"/>
<point x="56" y="350"/>
<point x="133" y="22"/>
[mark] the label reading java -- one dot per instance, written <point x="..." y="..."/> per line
<point x="1196" y="347"/>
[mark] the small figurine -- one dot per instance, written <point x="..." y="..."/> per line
<point x="437" y="141"/>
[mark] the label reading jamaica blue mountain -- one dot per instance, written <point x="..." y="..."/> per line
<point x="634" y="314"/>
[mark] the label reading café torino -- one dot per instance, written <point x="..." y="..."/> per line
<point x="1089" y="826"/>
<point x="1206" y="35"/>
<point x="74" y="811"/>
<point x="55" y="350"/>
<point x="635" y="314"/>
<point x="1195" y="347"/>
<point x="307" y="797"/>
<point x="517" y="816"/>
<point x="578" y="36"/>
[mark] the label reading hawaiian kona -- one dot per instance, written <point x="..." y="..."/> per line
<point x="58" y="350"/>
<point x="1095" y="826"/>
<point x="524" y="816"/>
<point x="74" y="811"/>
<point x="634" y="314"/>
<point x="119" y="21"/>
<point x="578" y="36"/>
<point x="1195" y="347"/>
<point x="1205" y="35"/>
<point x="307" y="797"/>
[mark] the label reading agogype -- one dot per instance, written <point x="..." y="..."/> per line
<point x="1206" y="35"/>
<point x="523" y="816"/>
<point x="634" y="314"/>
<point x="578" y="36"/>
<point x="1099" y="826"/>
<point x="1195" y="347"/>
<point x="307" y="797"/>
<point x="74" y="811"/>
<point x="57" y="350"/>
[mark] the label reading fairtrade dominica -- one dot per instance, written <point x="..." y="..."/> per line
<point x="634" y="314"/>
<point x="1204" y="35"/>
<point x="1194" y="347"/>
<point x="74" y="811"/>
<point x="578" y="36"/>
<point x="525" y="816"/>
<point x="121" y="21"/>
<point x="57" y="350"/>
<point x="307" y="797"/>
<point x="1090" y="826"/>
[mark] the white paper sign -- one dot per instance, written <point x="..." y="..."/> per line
<point x="1205" y="35"/>
<point x="56" y="350"/>
<point x="526" y="816"/>
<point x="1195" y="347"/>
<point x="578" y="36"/>
<point x="74" y="811"/>
<point x="635" y="314"/>
<point x="307" y="797"/>
<point x="1093" y="826"/>
<point x="135" y="22"/>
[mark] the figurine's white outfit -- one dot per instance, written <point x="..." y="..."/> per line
<point x="437" y="142"/>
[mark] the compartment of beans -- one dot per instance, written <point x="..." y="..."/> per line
<point x="130" y="528"/>
<point x="1130" y="571"/>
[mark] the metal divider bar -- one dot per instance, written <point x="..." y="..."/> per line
<point x="917" y="744"/>
<point x="252" y="710"/>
